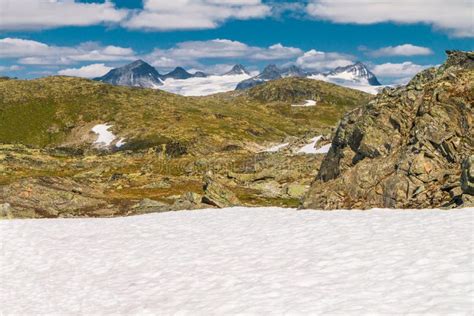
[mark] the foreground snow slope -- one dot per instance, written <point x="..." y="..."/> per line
<point x="241" y="260"/>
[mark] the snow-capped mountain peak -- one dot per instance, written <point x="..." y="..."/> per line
<point x="357" y="72"/>
<point x="237" y="70"/>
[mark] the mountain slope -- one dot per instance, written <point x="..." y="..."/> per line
<point x="60" y="111"/>
<point x="136" y="74"/>
<point x="404" y="149"/>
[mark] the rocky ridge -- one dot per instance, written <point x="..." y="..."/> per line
<point x="406" y="147"/>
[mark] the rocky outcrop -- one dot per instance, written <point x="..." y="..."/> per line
<point x="217" y="193"/>
<point x="49" y="197"/>
<point x="404" y="149"/>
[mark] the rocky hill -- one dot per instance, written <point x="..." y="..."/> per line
<point x="407" y="148"/>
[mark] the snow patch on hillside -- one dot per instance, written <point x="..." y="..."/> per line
<point x="241" y="261"/>
<point x="276" y="148"/>
<point x="203" y="86"/>
<point x="104" y="136"/>
<point x="307" y="103"/>
<point x="312" y="149"/>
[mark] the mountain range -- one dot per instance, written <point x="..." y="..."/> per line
<point x="141" y="74"/>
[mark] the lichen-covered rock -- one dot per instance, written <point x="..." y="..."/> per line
<point x="404" y="148"/>
<point x="217" y="193"/>
<point x="467" y="175"/>
<point x="50" y="197"/>
<point x="6" y="210"/>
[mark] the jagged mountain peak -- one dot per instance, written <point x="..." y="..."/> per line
<point x="270" y="72"/>
<point x="293" y="71"/>
<point x="357" y="72"/>
<point x="135" y="74"/>
<point x="178" y="73"/>
<point x="238" y="69"/>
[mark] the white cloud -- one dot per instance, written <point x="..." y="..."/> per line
<point x="36" y="53"/>
<point x="401" y="50"/>
<point x="189" y="53"/>
<point x="43" y="14"/>
<point x="322" y="61"/>
<point x="453" y="16"/>
<point x="89" y="71"/>
<point x="11" y="68"/>
<point x="194" y="14"/>
<point x="401" y="70"/>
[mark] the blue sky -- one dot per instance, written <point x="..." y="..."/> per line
<point x="395" y="39"/>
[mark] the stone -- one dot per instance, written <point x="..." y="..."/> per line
<point x="51" y="197"/>
<point x="6" y="211"/>
<point x="217" y="193"/>
<point x="467" y="175"/>
<point x="296" y="191"/>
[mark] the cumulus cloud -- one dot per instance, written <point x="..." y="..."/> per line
<point x="44" y="14"/>
<point x="89" y="71"/>
<point x="191" y="52"/>
<point x="322" y="61"/>
<point x="400" y="70"/>
<point x="36" y="53"/>
<point x="401" y="50"/>
<point x="11" y="68"/>
<point x="193" y="14"/>
<point x="454" y="16"/>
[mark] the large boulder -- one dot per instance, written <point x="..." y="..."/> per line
<point x="404" y="148"/>
<point x="50" y="197"/>
<point x="217" y="193"/>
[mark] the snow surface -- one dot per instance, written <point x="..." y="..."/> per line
<point x="104" y="136"/>
<point x="276" y="148"/>
<point x="241" y="261"/>
<point x="203" y="86"/>
<point x="307" y="103"/>
<point x="347" y="82"/>
<point x="120" y="142"/>
<point x="323" y="149"/>
<point x="312" y="149"/>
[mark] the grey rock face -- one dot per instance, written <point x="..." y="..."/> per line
<point x="136" y="74"/>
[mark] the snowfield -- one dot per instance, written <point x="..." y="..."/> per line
<point x="311" y="147"/>
<point x="307" y="103"/>
<point x="202" y="86"/>
<point x="349" y="82"/>
<point x="241" y="260"/>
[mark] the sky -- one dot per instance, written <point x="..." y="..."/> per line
<point x="86" y="38"/>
